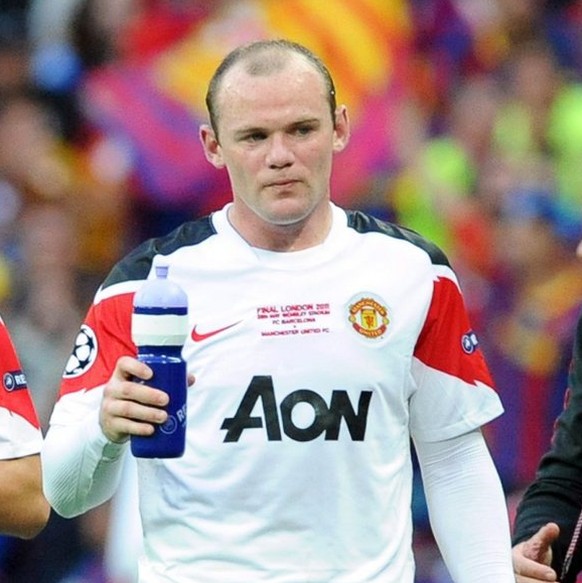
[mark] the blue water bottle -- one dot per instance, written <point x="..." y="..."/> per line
<point x="159" y="328"/>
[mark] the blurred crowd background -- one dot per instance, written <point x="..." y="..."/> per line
<point x="467" y="127"/>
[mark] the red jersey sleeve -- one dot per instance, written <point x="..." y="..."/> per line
<point x="103" y="338"/>
<point x="447" y="342"/>
<point x="15" y="395"/>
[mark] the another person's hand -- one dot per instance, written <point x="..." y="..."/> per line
<point x="532" y="558"/>
<point x="129" y="407"/>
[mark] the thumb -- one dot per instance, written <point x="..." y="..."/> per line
<point x="538" y="547"/>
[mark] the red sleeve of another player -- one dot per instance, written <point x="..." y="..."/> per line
<point x="447" y="343"/>
<point x="14" y="394"/>
<point x="104" y="337"/>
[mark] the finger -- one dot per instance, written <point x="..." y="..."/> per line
<point x="119" y="429"/>
<point x="138" y="392"/>
<point x="191" y="379"/>
<point x="128" y="367"/>
<point x="120" y="418"/>
<point x="527" y="569"/>
<point x="135" y="411"/>
<point x="538" y="546"/>
<point x="535" y="573"/>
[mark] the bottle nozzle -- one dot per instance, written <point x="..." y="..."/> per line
<point x="161" y="271"/>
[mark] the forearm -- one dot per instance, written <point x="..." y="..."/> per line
<point x="467" y="509"/>
<point x="81" y="468"/>
<point x="24" y="510"/>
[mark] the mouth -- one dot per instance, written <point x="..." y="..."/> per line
<point x="282" y="183"/>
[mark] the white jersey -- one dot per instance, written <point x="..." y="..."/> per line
<point x="313" y="371"/>
<point x="20" y="433"/>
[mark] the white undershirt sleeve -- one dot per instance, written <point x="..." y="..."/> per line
<point x="467" y="509"/>
<point x="81" y="467"/>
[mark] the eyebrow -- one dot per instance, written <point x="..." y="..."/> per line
<point x="263" y="129"/>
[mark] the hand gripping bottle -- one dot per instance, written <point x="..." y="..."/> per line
<point x="159" y="328"/>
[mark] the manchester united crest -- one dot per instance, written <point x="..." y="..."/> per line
<point x="368" y="316"/>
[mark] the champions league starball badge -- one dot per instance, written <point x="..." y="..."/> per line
<point x="469" y="342"/>
<point x="84" y="353"/>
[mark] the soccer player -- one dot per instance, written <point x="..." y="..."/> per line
<point x="24" y="510"/>
<point x="322" y="340"/>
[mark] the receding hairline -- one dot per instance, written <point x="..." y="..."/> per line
<point x="268" y="60"/>
<point x="263" y="58"/>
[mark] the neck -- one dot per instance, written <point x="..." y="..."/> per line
<point x="304" y="234"/>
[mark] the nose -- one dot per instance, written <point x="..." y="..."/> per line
<point x="279" y="154"/>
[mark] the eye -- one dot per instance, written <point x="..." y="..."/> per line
<point x="254" y="137"/>
<point x="304" y="129"/>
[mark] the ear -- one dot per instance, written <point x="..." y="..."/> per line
<point x="212" y="149"/>
<point x="341" y="132"/>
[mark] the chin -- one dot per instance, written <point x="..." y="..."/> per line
<point x="285" y="219"/>
<point x="287" y="212"/>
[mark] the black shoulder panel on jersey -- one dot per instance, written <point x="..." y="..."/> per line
<point x="364" y="223"/>
<point x="137" y="264"/>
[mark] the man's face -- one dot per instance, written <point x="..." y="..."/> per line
<point x="276" y="140"/>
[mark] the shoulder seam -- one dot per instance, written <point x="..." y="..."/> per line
<point x="363" y="223"/>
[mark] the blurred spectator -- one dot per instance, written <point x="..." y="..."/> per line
<point x="14" y="50"/>
<point x="43" y="311"/>
<point x="28" y="148"/>
<point x="128" y="128"/>
<point x="532" y="81"/>
<point x="46" y="558"/>
<point x="90" y="566"/>
<point x="46" y="315"/>
<point x="531" y="324"/>
<point x="454" y="40"/>
<point x="541" y="116"/>
<point x="432" y="193"/>
<point x="37" y="164"/>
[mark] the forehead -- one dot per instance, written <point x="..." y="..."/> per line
<point x="288" y="84"/>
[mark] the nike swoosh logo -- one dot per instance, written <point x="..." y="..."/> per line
<point x="197" y="337"/>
